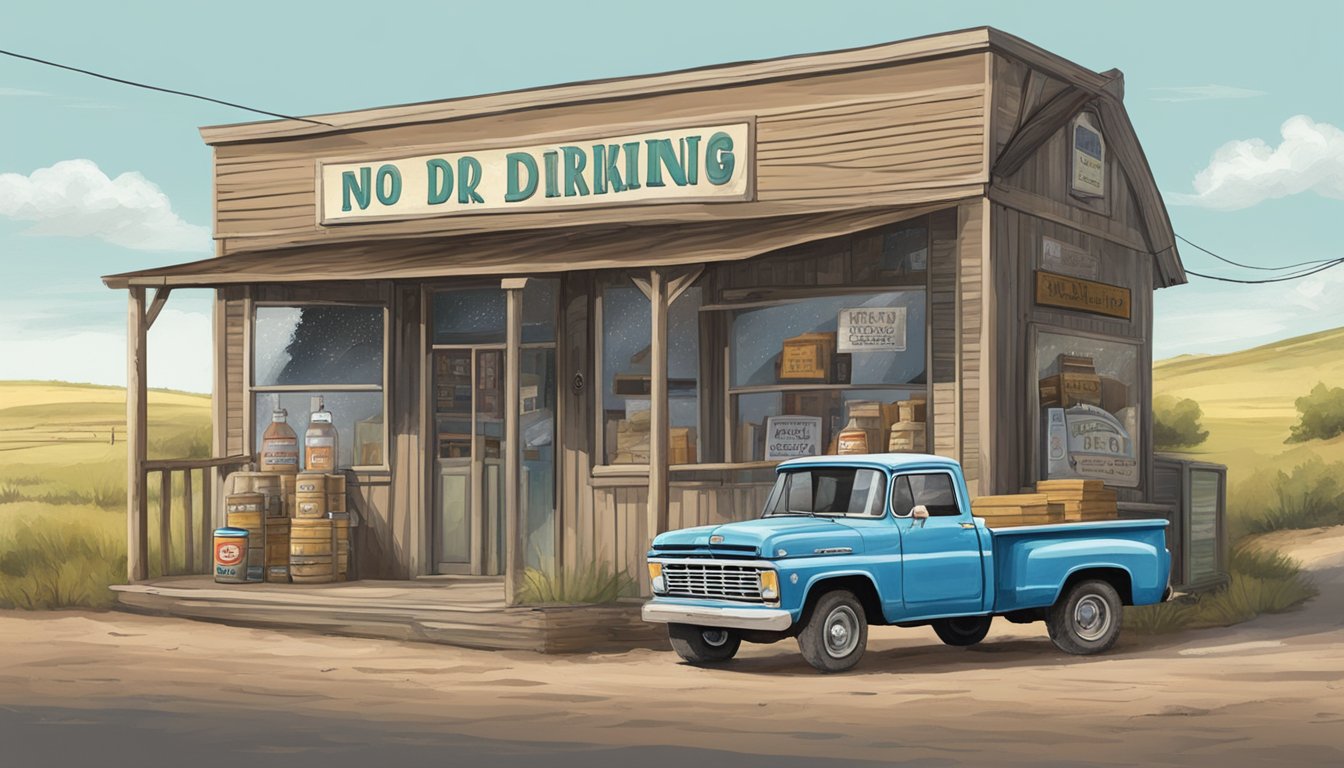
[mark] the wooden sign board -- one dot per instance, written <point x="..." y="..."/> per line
<point x="1054" y="290"/>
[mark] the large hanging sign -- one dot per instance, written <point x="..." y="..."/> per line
<point x="1054" y="290"/>
<point x="1089" y="159"/>
<point x="702" y="164"/>
<point x="877" y="329"/>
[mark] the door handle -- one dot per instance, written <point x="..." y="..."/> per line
<point x="968" y="525"/>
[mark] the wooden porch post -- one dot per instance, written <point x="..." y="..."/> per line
<point x="658" y="421"/>
<point x="514" y="526"/>
<point x="137" y="501"/>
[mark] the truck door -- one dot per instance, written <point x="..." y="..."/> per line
<point x="942" y="569"/>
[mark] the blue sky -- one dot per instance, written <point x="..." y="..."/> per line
<point x="1198" y="76"/>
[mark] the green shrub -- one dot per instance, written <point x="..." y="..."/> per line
<point x="1322" y="415"/>
<point x="50" y="563"/>
<point x="588" y="584"/>
<point x="1176" y="423"/>
<point x="1311" y="497"/>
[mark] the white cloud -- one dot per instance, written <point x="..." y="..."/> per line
<point x="1245" y="172"/>
<point x="179" y="354"/>
<point x="19" y="92"/>
<point x="74" y="198"/>
<point x="1203" y="93"/>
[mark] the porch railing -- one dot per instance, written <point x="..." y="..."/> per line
<point x="189" y="482"/>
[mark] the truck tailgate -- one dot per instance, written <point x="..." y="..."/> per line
<point x="1032" y="563"/>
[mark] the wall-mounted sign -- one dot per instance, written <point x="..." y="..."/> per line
<point x="1086" y="441"/>
<point x="1089" y="158"/>
<point x="877" y="329"/>
<point x="1054" y="290"/>
<point x="788" y="437"/>
<point x="1065" y="259"/>
<point x="702" y="164"/>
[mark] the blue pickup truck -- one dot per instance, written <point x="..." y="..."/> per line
<point x="849" y="541"/>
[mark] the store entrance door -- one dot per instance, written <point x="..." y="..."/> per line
<point x="469" y="441"/>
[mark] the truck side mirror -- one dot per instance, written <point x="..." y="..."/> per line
<point x="920" y="514"/>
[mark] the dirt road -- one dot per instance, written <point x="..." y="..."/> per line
<point x="1269" y="692"/>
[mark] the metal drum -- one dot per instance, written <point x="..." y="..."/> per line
<point x="231" y="555"/>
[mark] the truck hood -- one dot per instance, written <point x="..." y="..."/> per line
<point x="763" y="537"/>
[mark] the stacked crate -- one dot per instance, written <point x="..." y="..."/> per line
<point x="906" y="432"/>
<point x="1017" y="509"/>
<point x="1082" y="500"/>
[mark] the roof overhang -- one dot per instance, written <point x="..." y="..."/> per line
<point x="519" y="252"/>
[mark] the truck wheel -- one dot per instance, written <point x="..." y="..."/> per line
<point x="962" y="630"/>
<point x="1086" y="619"/>
<point x="703" y="645"/>
<point x="836" y="634"/>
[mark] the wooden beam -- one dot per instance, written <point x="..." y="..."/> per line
<point x="165" y="522"/>
<point x="1039" y="128"/>
<point x="678" y="285"/>
<point x="658" y="417"/>
<point x="514" y="561"/>
<point x="207" y="519"/>
<point x="188" y="525"/>
<point x="156" y="306"/>
<point x="137" y="406"/>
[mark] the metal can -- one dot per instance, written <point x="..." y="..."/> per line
<point x="231" y="555"/>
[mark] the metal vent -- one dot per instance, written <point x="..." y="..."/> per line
<point x="713" y="581"/>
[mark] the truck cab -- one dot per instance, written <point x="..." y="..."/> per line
<point x="845" y="542"/>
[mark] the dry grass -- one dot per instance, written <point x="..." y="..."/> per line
<point x="1259" y="582"/>
<point x="588" y="584"/>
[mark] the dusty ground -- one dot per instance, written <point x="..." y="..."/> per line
<point x="1269" y="692"/>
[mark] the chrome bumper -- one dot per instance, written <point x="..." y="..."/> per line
<point x="769" y="619"/>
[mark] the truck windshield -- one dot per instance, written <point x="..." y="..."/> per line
<point x="828" y="491"/>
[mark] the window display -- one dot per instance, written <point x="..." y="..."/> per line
<point x="335" y="352"/>
<point x="1088" y="396"/>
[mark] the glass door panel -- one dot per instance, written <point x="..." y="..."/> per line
<point x="452" y="393"/>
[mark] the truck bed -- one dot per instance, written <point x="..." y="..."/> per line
<point x="1031" y="562"/>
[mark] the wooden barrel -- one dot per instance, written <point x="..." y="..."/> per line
<point x="246" y="511"/>
<point x="310" y="482"/>
<point x="276" y="547"/>
<point x="319" y="550"/>
<point x="287" y="495"/>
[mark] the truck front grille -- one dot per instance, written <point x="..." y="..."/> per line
<point x="714" y="581"/>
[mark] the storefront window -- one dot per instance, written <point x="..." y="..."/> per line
<point x="831" y="359"/>
<point x="1088" y="391"/>
<point x="626" y="374"/>
<point x="335" y="352"/>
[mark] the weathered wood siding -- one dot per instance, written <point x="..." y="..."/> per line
<point x="944" y="422"/>
<point x="883" y="136"/>
<point x="235" y="387"/>
<point x="1032" y="203"/>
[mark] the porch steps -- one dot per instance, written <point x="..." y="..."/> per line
<point x="463" y="612"/>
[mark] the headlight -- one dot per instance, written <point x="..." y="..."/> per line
<point x="656" y="578"/>
<point x="769" y="585"/>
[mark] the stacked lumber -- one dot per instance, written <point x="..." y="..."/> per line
<point x="1083" y="500"/>
<point x="1017" y="509"/>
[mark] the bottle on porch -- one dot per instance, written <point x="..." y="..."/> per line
<point x="279" y="445"/>
<point x="319" y="442"/>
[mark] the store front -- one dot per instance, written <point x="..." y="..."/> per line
<point x="553" y="323"/>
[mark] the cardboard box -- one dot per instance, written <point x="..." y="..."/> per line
<point x="912" y="410"/>
<point x="807" y="357"/>
<point x="906" y="437"/>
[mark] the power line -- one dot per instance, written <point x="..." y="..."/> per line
<point x="1306" y="273"/>
<point x="161" y="89"/>
<point x="1251" y="266"/>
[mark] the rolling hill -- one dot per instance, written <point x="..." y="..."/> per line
<point x="1248" y="400"/>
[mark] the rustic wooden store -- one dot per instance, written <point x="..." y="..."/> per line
<point x="551" y="323"/>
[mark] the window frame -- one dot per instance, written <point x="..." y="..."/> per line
<point x="898" y="476"/>
<point x="780" y="488"/>
<point x="253" y="389"/>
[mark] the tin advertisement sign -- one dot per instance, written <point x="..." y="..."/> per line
<point x="1086" y="441"/>
<point x="701" y="164"/>
<point x="1064" y="259"/>
<point x="1089" y="159"/>
<point x="871" y="329"/>
<point x="788" y="437"/>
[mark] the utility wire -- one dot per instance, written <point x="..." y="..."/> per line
<point x="1306" y="273"/>
<point x="161" y="89"/>
<point x="1252" y="266"/>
